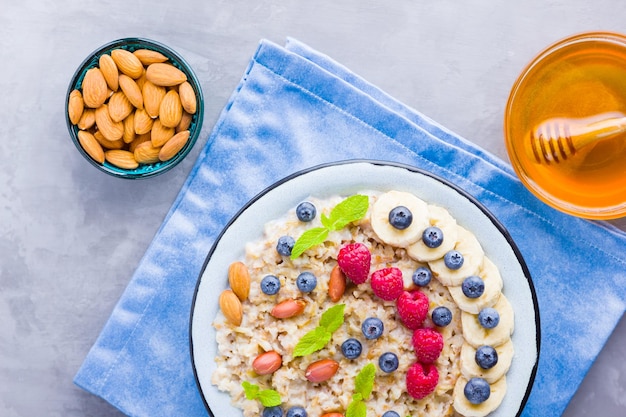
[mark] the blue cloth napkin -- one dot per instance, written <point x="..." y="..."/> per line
<point x="295" y="108"/>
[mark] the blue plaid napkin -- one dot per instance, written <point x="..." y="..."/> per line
<point x="295" y="108"/>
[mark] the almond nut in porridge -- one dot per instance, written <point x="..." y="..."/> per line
<point x="187" y="97"/>
<point x="165" y="75"/>
<point x="75" y="106"/>
<point x="127" y="63"/>
<point x="267" y="363"/>
<point x="87" y="119"/>
<point x="109" y="71"/>
<point x="321" y="370"/>
<point x="110" y="129"/>
<point x="121" y="159"/>
<point x="143" y="122"/>
<point x="171" y="109"/>
<point x="145" y="153"/>
<point x="174" y="145"/>
<point x="152" y="96"/>
<point x="132" y="90"/>
<point x="231" y="307"/>
<point x="160" y="134"/>
<point x="288" y="308"/>
<point x="332" y="415"/>
<point x="336" y="284"/>
<point x="119" y="106"/>
<point x="95" y="89"/>
<point x="148" y="56"/>
<point x="239" y="279"/>
<point x="91" y="146"/>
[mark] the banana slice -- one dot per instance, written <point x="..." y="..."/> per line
<point x="473" y="255"/>
<point x="493" y="287"/>
<point x="470" y="369"/>
<point x="467" y="409"/>
<point x="440" y="218"/>
<point x="389" y="234"/>
<point x="476" y="335"/>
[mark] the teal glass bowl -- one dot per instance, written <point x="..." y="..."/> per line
<point x="132" y="44"/>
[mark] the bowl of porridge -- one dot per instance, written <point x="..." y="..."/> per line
<point x="364" y="288"/>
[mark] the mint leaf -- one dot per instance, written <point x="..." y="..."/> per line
<point x="332" y="319"/>
<point x="349" y="210"/>
<point x="308" y="239"/>
<point x="364" y="382"/>
<point x="251" y="390"/>
<point x="356" y="408"/>
<point x="269" y="398"/>
<point x="311" y="342"/>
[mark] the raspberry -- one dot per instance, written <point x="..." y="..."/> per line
<point x="354" y="260"/>
<point x="421" y="380"/>
<point x="387" y="283"/>
<point x="428" y="344"/>
<point x="412" y="308"/>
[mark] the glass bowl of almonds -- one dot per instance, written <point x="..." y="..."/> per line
<point x="134" y="108"/>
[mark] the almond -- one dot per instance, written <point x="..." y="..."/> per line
<point x="95" y="89"/>
<point x="336" y="284"/>
<point x="127" y="63"/>
<point x="239" y="279"/>
<point x="143" y="122"/>
<point x="141" y="80"/>
<point x="90" y="145"/>
<point x="75" y="106"/>
<point x="129" y="128"/>
<point x="87" y="119"/>
<point x="321" y="370"/>
<point x="231" y="307"/>
<point x="110" y="129"/>
<point x="187" y="97"/>
<point x="185" y="122"/>
<point x="108" y="144"/>
<point x="119" y="106"/>
<point x="148" y="56"/>
<point x="160" y="134"/>
<point x="121" y="159"/>
<point x="288" y="308"/>
<point x="152" y="97"/>
<point x="174" y="145"/>
<point x="139" y="139"/>
<point x="165" y="75"/>
<point x="267" y="363"/>
<point x="145" y="153"/>
<point x="109" y="71"/>
<point x="132" y="90"/>
<point x="332" y="415"/>
<point x="171" y="109"/>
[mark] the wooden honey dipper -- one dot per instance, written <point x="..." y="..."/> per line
<point x="555" y="140"/>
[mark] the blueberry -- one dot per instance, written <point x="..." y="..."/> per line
<point x="270" y="285"/>
<point x="422" y="276"/>
<point x="473" y="286"/>
<point x="305" y="211"/>
<point x="400" y="217"/>
<point x="296" y="412"/>
<point x="432" y="237"/>
<point x="391" y="414"/>
<point x="486" y="357"/>
<point x="489" y="317"/>
<point x="306" y="282"/>
<point x="477" y="390"/>
<point x="276" y="411"/>
<point x="372" y="328"/>
<point x="442" y="316"/>
<point x="351" y="348"/>
<point x="453" y="259"/>
<point x="388" y="362"/>
<point x="285" y="245"/>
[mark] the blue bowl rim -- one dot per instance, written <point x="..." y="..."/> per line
<point x="147" y="170"/>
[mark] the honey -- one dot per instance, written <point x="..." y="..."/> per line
<point x="580" y="77"/>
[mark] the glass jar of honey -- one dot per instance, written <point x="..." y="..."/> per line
<point x="580" y="79"/>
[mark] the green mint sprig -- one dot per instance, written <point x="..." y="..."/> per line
<point x="267" y="397"/>
<point x="363" y="386"/>
<point x="316" y="339"/>
<point x="349" y="210"/>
